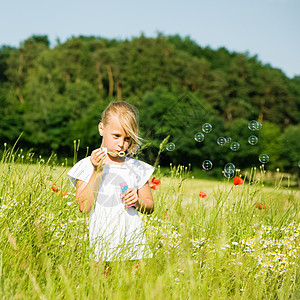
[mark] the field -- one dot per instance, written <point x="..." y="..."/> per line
<point x="239" y="242"/>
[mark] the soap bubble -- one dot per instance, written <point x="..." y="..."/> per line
<point x="221" y="141"/>
<point x="170" y="146"/>
<point x="199" y="137"/>
<point x="235" y="146"/>
<point x="206" y="128"/>
<point x="229" y="166"/>
<point x="229" y="170"/>
<point x="229" y="173"/>
<point x="207" y="165"/>
<point x="264" y="158"/>
<point x="252" y="139"/>
<point x="253" y="125"/>
<point x="136" y="150"/>
<point x="258" y="126"/>
<point x="228" y="139"/>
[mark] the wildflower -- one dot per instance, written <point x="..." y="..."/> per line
<point x="260" y="206"/>
<point x="106" y="272"/>
<point x="155" y="183"/>
<point x="55" y="188"/>
<point x="280" y="258"/>
<point x="202" y="195"/>
<point x="137" y="270"/>
<point x="238" y="180"/>
<point x="63" y="193"/>
<point x="166" y="213"/>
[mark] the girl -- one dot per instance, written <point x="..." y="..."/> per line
<point x="114" y="188"/>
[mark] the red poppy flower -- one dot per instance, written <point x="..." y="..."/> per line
<point x="63" y="193"/>
<point x="202" y="195"/>
<point x="166" y="213"/>
<point x="154" y="183"/>
<point x="238" y="180"/>
<point x="106" y="272"/>
<point x="55" y="188"/>
<point x="260" y="206"/>
<point x="137" y="270"/>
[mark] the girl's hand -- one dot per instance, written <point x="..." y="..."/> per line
<point x="97" y="159"/>
<point x="130" y="198"/>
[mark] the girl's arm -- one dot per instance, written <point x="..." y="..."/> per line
<point x="87" y="192"/>
<point x="142" y="199"/>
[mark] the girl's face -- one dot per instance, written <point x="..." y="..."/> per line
<point x="113" y="136"/>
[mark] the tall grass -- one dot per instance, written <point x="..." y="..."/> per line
<point x="220" y="247"/>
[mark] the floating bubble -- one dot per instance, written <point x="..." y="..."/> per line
<point x="259" y="126"/>
<point x="207" y="165"/>
<point x="263" y="158"/>
<point x="206" y="128"/>
<point x="170" y="146"/>
<point x="137" y="149"/>
<point x="252" y="140"/>
<point x="221" y="141"/>
<point x="229" y="173"/>
<point x="228" y="139"/>
<point x="229" y="166"/>
<point x="235" y="146"/>
<point x="253" y="125"/>
<point x="199" y="137"/>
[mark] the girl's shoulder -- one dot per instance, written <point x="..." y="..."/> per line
<point x="83" y="163"/>
<point x="137" y="163"/>
<point x="82" y="170"/>
<point x="85" y="160"/>
<point x="140" y="170"/>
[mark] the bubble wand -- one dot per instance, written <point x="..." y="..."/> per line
<point x="120" y="154"/>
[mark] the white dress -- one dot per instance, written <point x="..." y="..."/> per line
<point x="115" y="233"/>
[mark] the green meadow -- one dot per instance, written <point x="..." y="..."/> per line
<point x="223" y="246"/>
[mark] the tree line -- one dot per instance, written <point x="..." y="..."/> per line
<point x="55" y="95"/>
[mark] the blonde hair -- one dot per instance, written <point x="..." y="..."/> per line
<point x="128" y="118"/>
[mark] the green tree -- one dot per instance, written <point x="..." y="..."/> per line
<point x="270" y="139"/>
<point x="180" y="116"/>
<point x="246" y="155"/>
<point x="11" y="111"/>
<point x="5" y="52"/>
<point x="290" y="148"/>
<point x="272" y="96"/>
<point x="52" y="94"/>
<point x="21" y="62"/>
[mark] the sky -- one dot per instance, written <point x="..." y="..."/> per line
<point x="266" y="28"/>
